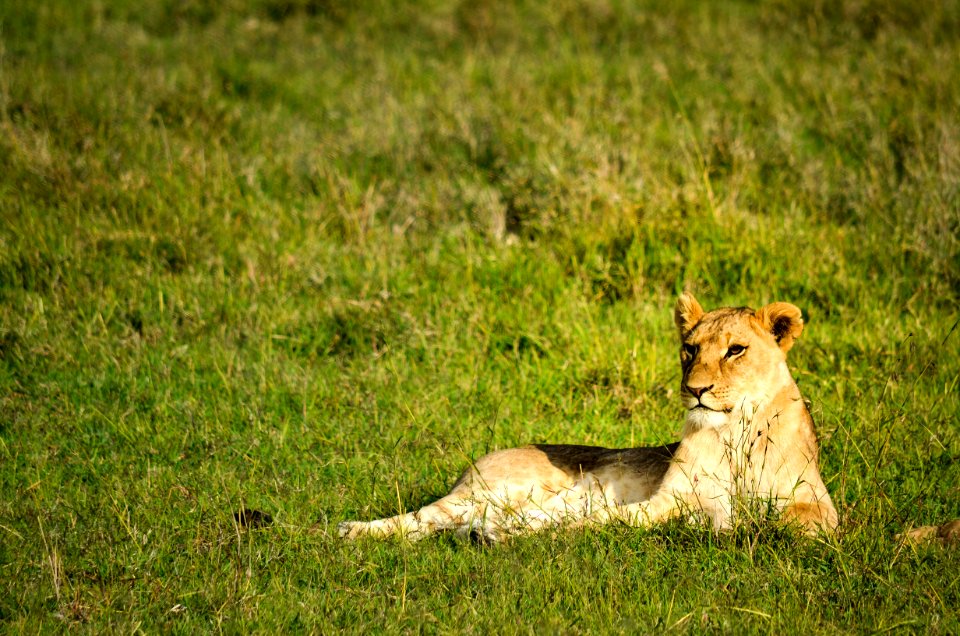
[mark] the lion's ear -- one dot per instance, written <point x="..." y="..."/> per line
<point x="687" y="313"/>
<point x="783" y="320"/>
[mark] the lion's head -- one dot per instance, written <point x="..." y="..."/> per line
<point x="733" y="359"/>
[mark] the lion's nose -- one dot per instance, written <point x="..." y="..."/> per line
<point x="697" y="391"/>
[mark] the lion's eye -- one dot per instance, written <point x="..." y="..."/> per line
<point x="690" y="349"/>
<point x="735" y="350"/>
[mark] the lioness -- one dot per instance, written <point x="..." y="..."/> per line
<point x="748" y="438"/>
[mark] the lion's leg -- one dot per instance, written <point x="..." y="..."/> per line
<point x="662" y="507"/>
<point x="482" y="515"/>
<point x="814" y="517"/>
<point x="665" y="506"/>
<point x="658" y="508"/>
<point x="449" y="513"/>
<point x="531" y="515"/>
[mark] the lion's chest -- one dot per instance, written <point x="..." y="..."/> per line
<point x="713" y="464"/>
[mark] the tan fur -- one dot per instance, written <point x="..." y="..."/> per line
<point x="947" y="533"/>
<point x="748" y="442"/>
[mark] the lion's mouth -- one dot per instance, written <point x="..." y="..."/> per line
<point x="700" y="406"/>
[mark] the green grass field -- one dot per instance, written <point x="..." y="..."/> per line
<point x="311" y="257"/>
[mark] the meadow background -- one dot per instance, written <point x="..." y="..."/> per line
<point x="310" y="257"/>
